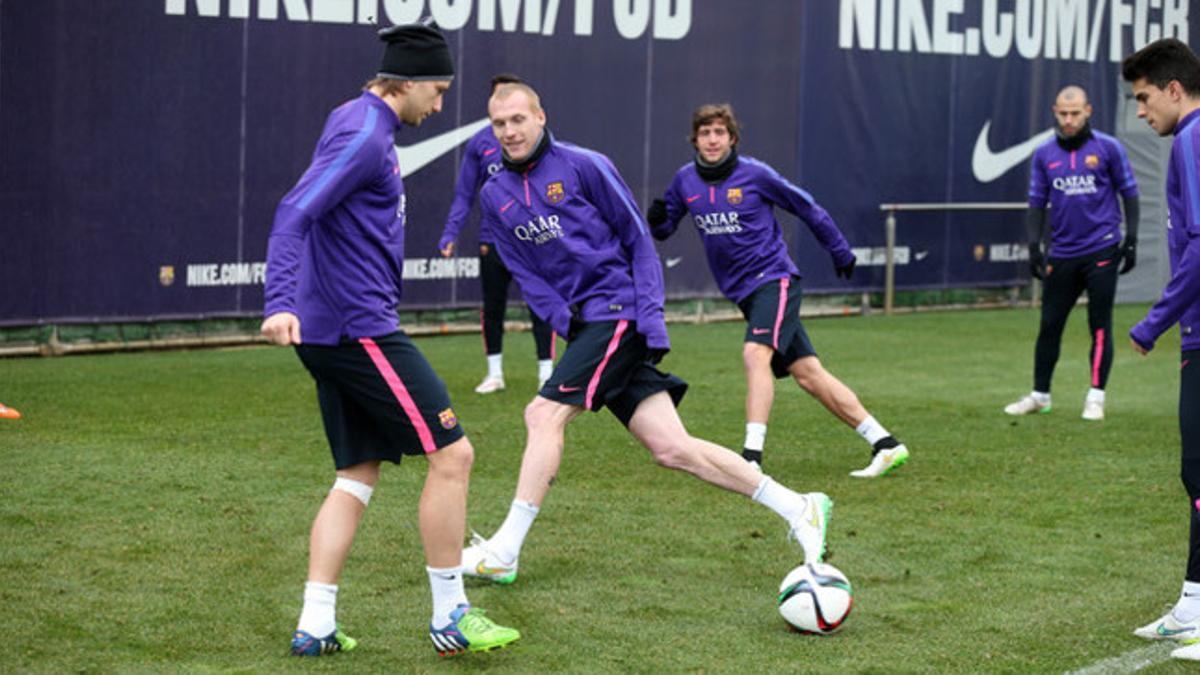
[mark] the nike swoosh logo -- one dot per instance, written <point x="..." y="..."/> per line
<point x="413" y="157"/>
<point x="988" y="166"/>
<point x="567" y="390"/>
<point x="671" y="262"/>
<point x="485" y="570"/>
<point x="1163" y="630"/>
<point x="760" y="331"/>
<point x="920" y="255"/>
<point x="693" y="198"/>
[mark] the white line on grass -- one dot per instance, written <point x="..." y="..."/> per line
<point x="1130" y="662"/>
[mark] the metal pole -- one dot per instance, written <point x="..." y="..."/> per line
<point x="889" y="278"/>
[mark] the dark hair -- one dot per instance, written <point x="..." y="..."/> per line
<point x="1161" y="62"/>
<point x="714" y="112"/>
<point x="505" y="78"/>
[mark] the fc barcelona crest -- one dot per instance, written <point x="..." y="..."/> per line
<point x="1092" y="161"/>
<point x="166" y="275"/>
<point x="554" y="192"/>
<point x="734" y="196"/>
<point x="448" y="418"/>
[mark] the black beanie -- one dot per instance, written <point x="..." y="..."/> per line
<point x="415" y="51"/>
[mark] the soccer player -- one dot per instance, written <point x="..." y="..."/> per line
<point x="566" y="225"/>
<point x="335" y="257"/>
<point x="1166" y="84"/>
<point x="731" y="199"/>
<point x="1077" y="175"/>
<point x="7" y="413"/>
<point x="481" y="161"/>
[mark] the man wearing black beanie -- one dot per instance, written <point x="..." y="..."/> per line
<point x="334" y="259"/>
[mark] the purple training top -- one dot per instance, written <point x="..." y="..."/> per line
<point x="336" y="250"/>
<point x="1081" y="188"/>
<point x="568" y="230"/>
<point x="736" y="222"/>
<point x="481" y="160"/>
<point x="1180" y="301"/>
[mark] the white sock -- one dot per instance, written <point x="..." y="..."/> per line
<point x="1096" y="395"/>
<point x="1188" y="607"/>
<point x="507" y="541"/>
<point x="447" y="586"/>
<point x="318" y="616"/>
<point x="756" y="436"/>
<point x="1042" y="397"/>
<point x="545" y="368"/>
<point x="787" y="503"/>
<point x="495" y="365"/>
<point x="871" y="430"/>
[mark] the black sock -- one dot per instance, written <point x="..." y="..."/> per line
<point x="885" y="443"/>
<point x="752" y="455"/>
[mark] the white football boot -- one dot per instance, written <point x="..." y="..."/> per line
<point x="884" y="462"/>
<point x="1027" y="405"/>
<point x="809" y="529"/>
<point x="479" y="562"/>
<point x="490" y="384"/>
<point x="1169" y="628"/>
<point x="1093" y="410"/>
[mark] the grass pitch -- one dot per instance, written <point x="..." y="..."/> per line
<point x="156" y="508"/>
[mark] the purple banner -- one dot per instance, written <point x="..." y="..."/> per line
<point x="147" y="142"/>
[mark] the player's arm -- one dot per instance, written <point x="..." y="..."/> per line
<point x="544" y="300"/>
<point x="339" y="165"/>
<point x="1181" y="292"/>
<point x="1035" y="217"/>
<point x="799" y="203"/>
<point x="1121" y="174"/>
<point x="470" y="178"/>
<point x="664" y="214"/>
<point x="613" y="198"/>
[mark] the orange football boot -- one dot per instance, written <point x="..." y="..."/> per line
<point x="7" y="413"/>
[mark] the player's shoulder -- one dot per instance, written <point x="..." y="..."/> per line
<point x="756" y="167"/>
<point x="1046" y="148"/>
<point x="1108" y="141"/>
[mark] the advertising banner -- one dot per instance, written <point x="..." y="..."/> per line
<point x="146" y="143"/>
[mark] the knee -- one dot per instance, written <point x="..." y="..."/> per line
<point x="808" y="373"/>
<point x="756" y="356"/>
<point x="456" y="459"/>
<point x="542" y="413"/>
<point x="670" y="453"/>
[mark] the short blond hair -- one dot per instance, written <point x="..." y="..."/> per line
<point x="507" y="89"/>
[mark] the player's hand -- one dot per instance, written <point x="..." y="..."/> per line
<point x="1128" y="255"/>
<point x="846" y="271"/>
<point x="282" y="328"/>
<point x="448" y="250"/>
<point x="657" y="213"/>
<point x="1037" y="261"/>
<point x="1138" y="348"/>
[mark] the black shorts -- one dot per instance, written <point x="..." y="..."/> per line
<point x="380" y="399"/>
<point x="772" y="314"/>
<point x="607" y="364"/>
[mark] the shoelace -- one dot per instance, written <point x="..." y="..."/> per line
<point x="474" y="621"/>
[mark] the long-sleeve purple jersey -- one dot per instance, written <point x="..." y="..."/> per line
<point x="736" y="222"/>
<point x="1081" y="188"/>
<point x="1180" y="301"/>
<point x="480" y="161"/>
<point x="568" y="230"/>
<point x="336" y="251"/>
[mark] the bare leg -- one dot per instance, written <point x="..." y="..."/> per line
<point x="545" y="423"/>
<point x="760" y="381"/>
<point x="822" y="385"/>
<point x="443" y="507"/>
<point x="657" y="426"/>
<point x="334" y="527"/>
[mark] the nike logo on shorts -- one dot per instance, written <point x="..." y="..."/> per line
<point x="567" y="390"/>
<point x="759" y="331"/>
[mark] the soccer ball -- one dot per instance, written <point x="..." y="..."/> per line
<point x="815" y="598"/>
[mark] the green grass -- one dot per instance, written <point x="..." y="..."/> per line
<point x="154" y="511"/>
